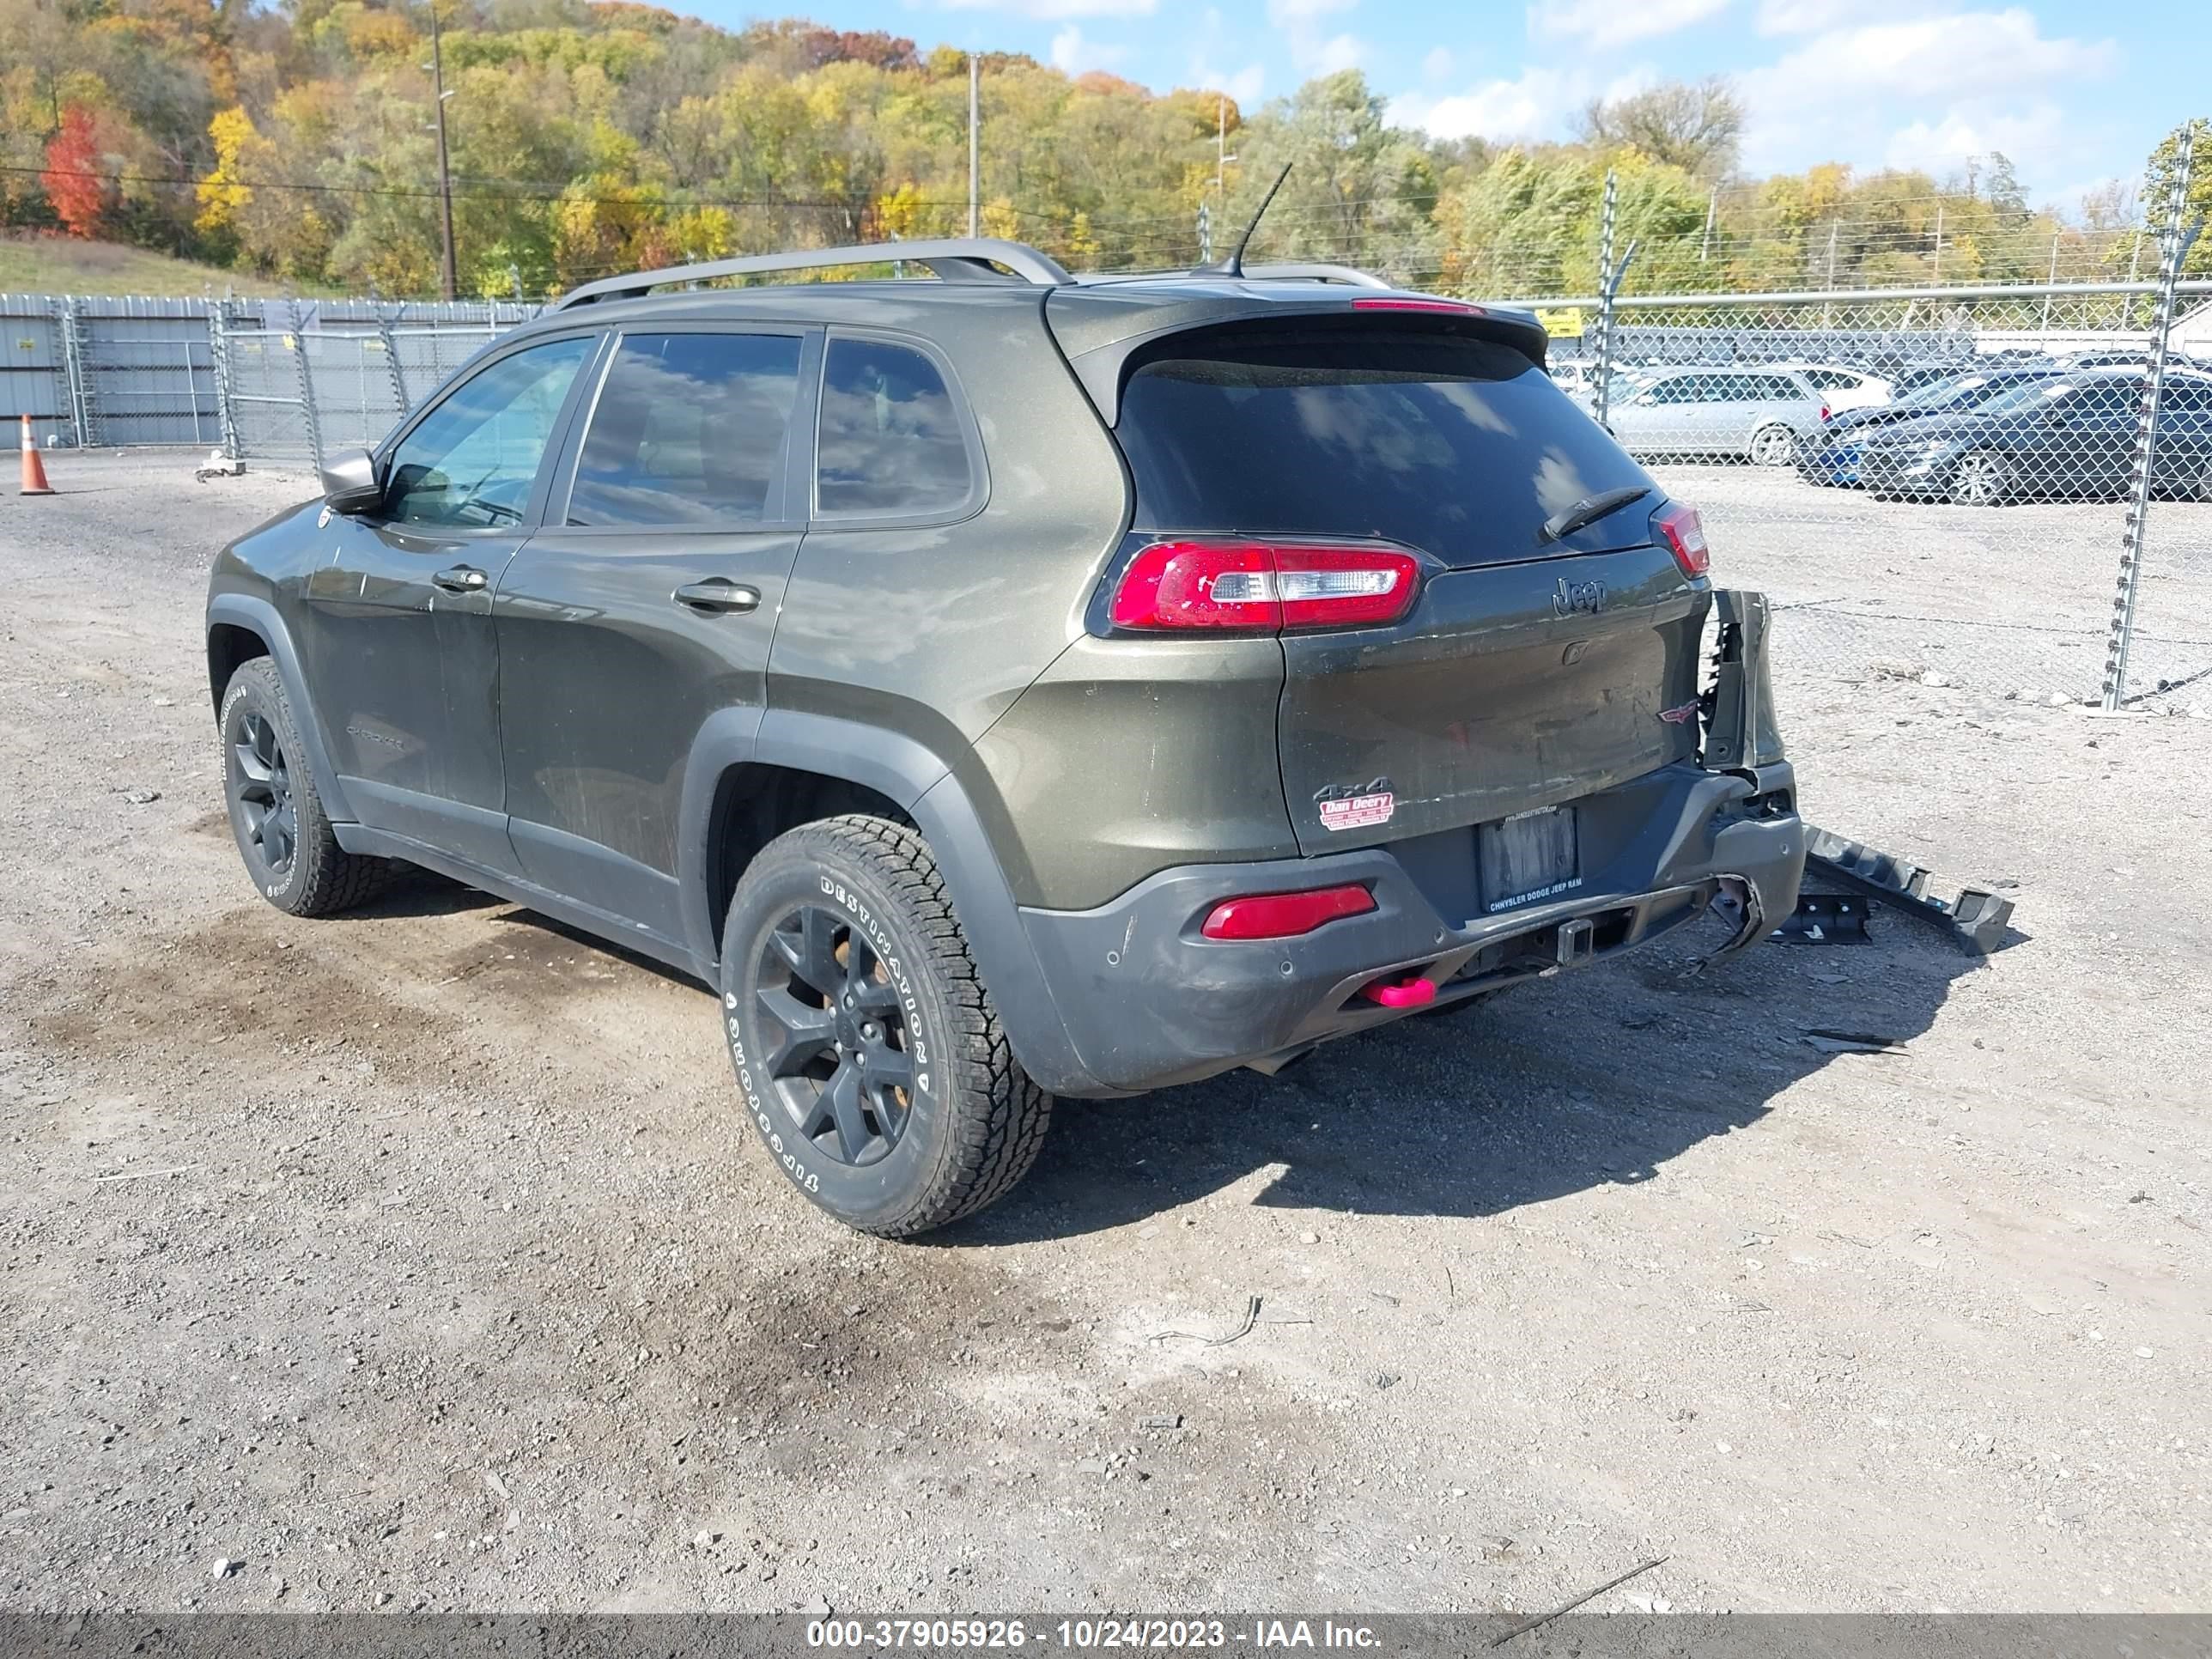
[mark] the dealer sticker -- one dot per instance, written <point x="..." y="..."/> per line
<point x="1359" y="811"/>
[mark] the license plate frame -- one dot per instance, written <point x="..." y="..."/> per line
<point x="1528" y="858"/>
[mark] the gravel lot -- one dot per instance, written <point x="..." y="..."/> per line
<point x="421" y="1258"/>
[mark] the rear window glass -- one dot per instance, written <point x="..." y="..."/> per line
<point x="1462" y="448"/>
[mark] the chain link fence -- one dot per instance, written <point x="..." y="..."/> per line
<point x="1936" y="484"/>
<point x="267" y="380"/>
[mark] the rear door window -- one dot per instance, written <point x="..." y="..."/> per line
<point x="1462" y="448"/>
<point x="689" y="429"/>
<point x="892" y="443"/>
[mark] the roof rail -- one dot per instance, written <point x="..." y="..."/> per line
<point x="957" y="259"/>
<point x="1350" y="274"/>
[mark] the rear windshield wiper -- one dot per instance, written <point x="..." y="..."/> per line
<point x="1589" y="510"/>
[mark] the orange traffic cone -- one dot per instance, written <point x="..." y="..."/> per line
<point x="35" y="469"/>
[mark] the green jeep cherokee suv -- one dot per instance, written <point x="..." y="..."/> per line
<point x="1009" y="685"/>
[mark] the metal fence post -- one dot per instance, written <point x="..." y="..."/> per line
<point x="1602" y="392"/>
<point x="298" y="337"/>
<point x="80" y="401"/>
<point x="2173" y="248"/>
<point x="225" y="382"/>
<point x="392" y="360"/>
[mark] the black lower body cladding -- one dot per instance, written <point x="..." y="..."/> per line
<point x="1148" y="1001"/>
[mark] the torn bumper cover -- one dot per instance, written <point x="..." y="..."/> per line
<point x="1148" y="1000"/>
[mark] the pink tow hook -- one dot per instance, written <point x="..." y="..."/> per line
<point x="1406" y="994"/>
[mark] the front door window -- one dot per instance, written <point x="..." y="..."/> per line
<point x="472" y="461"/>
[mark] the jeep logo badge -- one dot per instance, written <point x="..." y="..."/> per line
<point x="1578" y="599"/>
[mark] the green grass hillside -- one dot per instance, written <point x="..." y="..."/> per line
<point x="31" y="263"/>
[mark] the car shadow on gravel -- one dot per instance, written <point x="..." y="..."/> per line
<point x="1593" y="1078"/>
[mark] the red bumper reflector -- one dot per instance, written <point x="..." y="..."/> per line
<point x="1284" y="915"/>
<point x="1406" y="994"/>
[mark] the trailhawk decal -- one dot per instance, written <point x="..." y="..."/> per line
<point x="1356" y="806"/>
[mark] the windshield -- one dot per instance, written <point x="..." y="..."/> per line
<point x="2028" y="397"/>
<point x="1460" y="448"/>
<point x="1940" y="392"/>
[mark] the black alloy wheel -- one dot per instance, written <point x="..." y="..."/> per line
<point x="843" y="1072"/>
<point x="261" y="803"/>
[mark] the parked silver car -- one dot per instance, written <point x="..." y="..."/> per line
<point x="1761" y="415"/>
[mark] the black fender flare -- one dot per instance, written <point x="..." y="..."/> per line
<point x="921" y="784"/>
<point x="258" y="617"/>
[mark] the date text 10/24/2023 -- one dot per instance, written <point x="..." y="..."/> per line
<point x="1082" y="1635"/>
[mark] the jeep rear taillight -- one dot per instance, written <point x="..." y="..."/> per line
<point x="1284" y="915"/>
<point x="1263" y="587"/>
<point x="1684" y="532"/>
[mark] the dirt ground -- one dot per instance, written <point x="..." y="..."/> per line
<point x="422" y="1258"/>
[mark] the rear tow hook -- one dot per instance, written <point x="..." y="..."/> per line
<point x="1415" y="993"/>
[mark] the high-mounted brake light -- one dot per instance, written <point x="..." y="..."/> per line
<point x="1264" y="586"/>
<point x="1684" y="532"/>
<point x="1284" y="915"/>
<point x="1449" y="307"/>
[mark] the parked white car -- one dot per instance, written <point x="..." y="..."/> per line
<point x="1761" y="415"/>
<point x="1845" y="388"/>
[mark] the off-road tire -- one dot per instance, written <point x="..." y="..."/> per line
<point x="319" y="878"/>
<point x="974" y="1122"/>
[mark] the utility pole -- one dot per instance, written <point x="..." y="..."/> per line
<point x="975" y="144"/>
<point x="1939" y="242"/>
<point x="1712" y="206"/>
<point x="448" y="280"/>
<point x="1222" y="158"/>
<point x="1826" y="315"/>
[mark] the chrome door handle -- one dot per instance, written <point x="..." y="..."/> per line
<point x="461" y="578"/>
<point x="717" y="593"/>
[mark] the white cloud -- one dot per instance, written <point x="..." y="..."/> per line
<point x="1811" y="17"/>
<point x="1951" y="57"/>
<point x="2036" y="135"/>
<point x="1299" y="21"/>
<point x="1536" y="105"/>
<point x="1053" y="11"/>
<point x="1243" y="85"/>
<point x="1613" y="23"/>
<point x="1073" y="55"/>
<point x="1439" y="64"/>
<point x="1946" y="86"/>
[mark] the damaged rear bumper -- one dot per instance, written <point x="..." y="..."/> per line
<point x="1148" y="1000"/>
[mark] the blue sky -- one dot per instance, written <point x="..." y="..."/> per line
<point x="2074" y="91"/>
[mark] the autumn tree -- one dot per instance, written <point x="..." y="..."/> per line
<point x="72" y="177"/>
<point x="1695" y="125"/>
